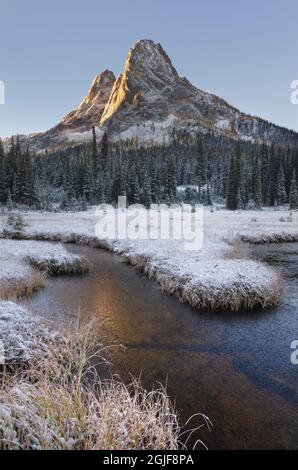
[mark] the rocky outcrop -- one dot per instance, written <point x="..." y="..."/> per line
<point x="90" y="110"/>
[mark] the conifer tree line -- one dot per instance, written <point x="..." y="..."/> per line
<point x="17" y="180"/>
<point x="193" y="169"/>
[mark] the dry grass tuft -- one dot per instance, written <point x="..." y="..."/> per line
<point x="22" y="286"/>
<point x="61" y="403"/>
<point x="270" y="238"/>
<point x="52" y="266"/>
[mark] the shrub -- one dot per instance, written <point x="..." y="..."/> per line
<point x="14" y="226"/>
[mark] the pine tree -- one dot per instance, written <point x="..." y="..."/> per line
<point x="94" y="155"/>
<point x="280" y="191"/>
<point x="119" y="185"/>
<point x="200" y="169"/>
<point x="232" y="187"/>
<point x="27" y="187"/>
<point x="146" y="195"/>
<point x="293" y="195"/>
<point x="207" y="195"/>
<point x="9" y="203"/>
<point x="235" y="197"/>
<point x="257" y="185"/>
<point x="155" y="186"/>
<point x="170" y="187"/>
<point x="3" y="182"/>
<point x="104" y="154"/>
<point x="239" y="178"/>
<point x="133" y="188"/>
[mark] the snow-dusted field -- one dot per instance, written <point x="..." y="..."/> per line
<point x="262" y="224"/>
<point x="219" y="275"/>
<point x="218" y="224"/>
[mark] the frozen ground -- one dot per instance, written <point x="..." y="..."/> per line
<point x="219" y="275"/>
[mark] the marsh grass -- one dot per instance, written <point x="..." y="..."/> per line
<point x="234" y="297"/>
<point x="24" y="286"/>
<point x="270" y="238"/>
<point x="52" y="266"/>
<point x="60" y="402"/>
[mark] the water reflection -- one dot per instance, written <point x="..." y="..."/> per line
<point x="234" y="367"/>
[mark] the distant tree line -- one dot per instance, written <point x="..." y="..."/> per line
<point x="193" y="169"/>
<point x="17" y="179"/>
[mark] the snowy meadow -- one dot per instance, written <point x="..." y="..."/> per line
<point x="42" y="358"/>
<point x="219" y="275"/>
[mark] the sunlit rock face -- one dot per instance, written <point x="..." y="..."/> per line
<point x="78" y="123"/>
<point x="150" y="101"/>
<point x="150" y="90"/>
<point x="90" y="110"/>
<point x="147" y="75"/>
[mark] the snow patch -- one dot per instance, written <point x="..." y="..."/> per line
<point x="223" y="124"/>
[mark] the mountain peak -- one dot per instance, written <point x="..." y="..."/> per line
<point x="100" y="82"/>
<point x="90" y="110"/>
<point x="148" y="70"/>
<point x="146" y="53"/>
<point x="150" y="101"/>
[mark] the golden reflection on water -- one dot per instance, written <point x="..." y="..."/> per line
<point x="232" y="367"/>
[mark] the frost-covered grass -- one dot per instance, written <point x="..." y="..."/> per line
<point x="25" y="337"/>
<point x="69" y="415"/>
<point x="17" y="279"/>
<point x="24" y="263"/>
<point x="59" y="402"/>
<point x="213" y="281"/>
<point x="59" y="262"/>
<point x="213" y="277"/>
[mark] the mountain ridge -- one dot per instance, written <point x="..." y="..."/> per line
<point x="149" y="100"/>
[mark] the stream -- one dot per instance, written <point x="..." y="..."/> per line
<point x="233" y="367"/>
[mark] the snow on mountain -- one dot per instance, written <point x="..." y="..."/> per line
<point x="148" y="101"/>
<point x="150" y="89"/>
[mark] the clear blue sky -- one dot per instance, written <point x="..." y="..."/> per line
<point x="243" y="50"/>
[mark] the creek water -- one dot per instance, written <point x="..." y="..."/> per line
<point x="233" y="367"/>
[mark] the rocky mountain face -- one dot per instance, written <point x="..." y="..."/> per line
<point x="150" y="91"/>
<point x="149" y="100"/>
<point x="90" y="110"/>
<point x="76" y="125"/>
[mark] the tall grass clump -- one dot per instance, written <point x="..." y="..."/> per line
<point x="59" y="402"/>
<point x="70" y="264"/>
<point x="22" y="286"/>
